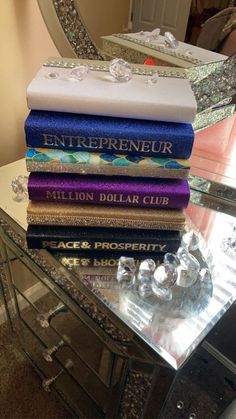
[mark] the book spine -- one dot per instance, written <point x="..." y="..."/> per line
<point x="161" y="198"/>
<point x="108" y="135"/>
<point x="160" y="246"/>
<point x="64" y="161"/>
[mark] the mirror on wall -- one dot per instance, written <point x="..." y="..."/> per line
<point x="206" y="33"/>
<point x="95" y="28"/>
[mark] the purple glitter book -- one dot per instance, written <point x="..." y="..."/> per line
<point x="106" y="190"/>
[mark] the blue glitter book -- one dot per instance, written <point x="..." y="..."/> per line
<point x="77" y="132"/>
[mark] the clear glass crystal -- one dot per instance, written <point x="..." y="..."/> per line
<point x="52" y="75"/>
<point x="20" y="187"/>
<point x="79" y="72"/>
<point x="127" y="264"/>
<point x="145" y="289"/>
<point x="186" y="277"/>
<point x="153" y="79"/>
<point x="171" y="40"/>
<point x="187" y="260"/>
<point x="165" y="275"/>
<point x="156" y="33"/>
<point x="190" y="241"/>
<point x="164" y="294"/>
<point x="205" y="275"/>
<point x="120" y="69"/>
<point x="171" y="258"/>
<point x="124" y="275"/>
<point x="147" y="266"/>
<point x="126" y="270"/>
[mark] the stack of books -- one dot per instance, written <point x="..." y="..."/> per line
<point x="108" y="162"/>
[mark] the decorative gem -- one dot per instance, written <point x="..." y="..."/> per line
<point x="147" y="267"/>
<point x="170" y="40"/>
<point x="145" y="289"/>
<point x="79" y="72"/>
<point x="153" y="79"/>
<point x="20" y="187"/>
<point x="171" y="258"/>
<point x="120" y="70"/>
<point x="190" y="241"/>
<point x="165" y="276"/>
<point x="52" y="75"/>
<point x="126" y="270"/>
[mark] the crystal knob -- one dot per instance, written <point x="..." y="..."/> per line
<point x="48" y="353"/>
<point x="47" y="382"/>
<point x="45" y="318"/>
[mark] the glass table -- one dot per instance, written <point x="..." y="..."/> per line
<point x="147" y="347"/>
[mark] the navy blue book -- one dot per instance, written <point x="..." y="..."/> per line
<point x="77" y="132"/>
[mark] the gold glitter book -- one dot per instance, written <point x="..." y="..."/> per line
<point x="49" y="213"/>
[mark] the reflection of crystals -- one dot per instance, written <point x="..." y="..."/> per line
<point x="162" y="293"/>
<point x="125" y="276"/>
<point x="153" y="79"/>
<point x="165" y="275"/>
<point x="120" y="69"/>
<point x="190" y="241"/>
<point x="171" y="40"/>
<point x="19" y="187"/>
<point x="79" y="72"/>
<point x="205" y="275"/>
<point x="145" y="289"/>
<point x="188" y="52"/>
<point x="228" y="245"/>
<point x="126" y="270"/>
<point x="171" y="258"/>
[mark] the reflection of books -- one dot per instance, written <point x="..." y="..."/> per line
<point x="65" y="161"/>
<point x="47" y="213"/>
<point x="103" y="190"/>
<point x="171" y="99"/>
<point x="101" y="239"/>
<point x="104" y="260"/>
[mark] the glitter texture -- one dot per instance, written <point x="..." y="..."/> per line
<point x="152" y="193"/>
<point x="61" y="161"/>
<point x="47" y="213"/>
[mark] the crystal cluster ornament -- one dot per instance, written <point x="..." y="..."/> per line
<point x="170" y="40"/>
<point x="120" y="70"/>
<point x="190" y="241"/>
<point x="145" y="276"/>
<point x="188" y="269"/>
<point x="79" y="73"/>
<point x="126" y="270"/>
<point x="20" y="187"/>
<point x="165" y="276"/>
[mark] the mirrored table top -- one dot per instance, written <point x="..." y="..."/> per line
<point x="172" y="329"/>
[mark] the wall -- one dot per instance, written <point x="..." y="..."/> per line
<point x="25" y="44"/>
<point x="104" y="17"/>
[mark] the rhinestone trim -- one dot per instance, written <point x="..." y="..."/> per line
<point x="104" y="66"/>
<point x="135" y="395"/>
<point x="160" y="48"/>
<point x="207" y="119"/>
<point x="75" y="30"/>
<point x="103" y="222"/>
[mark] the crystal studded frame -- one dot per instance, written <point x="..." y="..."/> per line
<point x="68" y="30"/>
